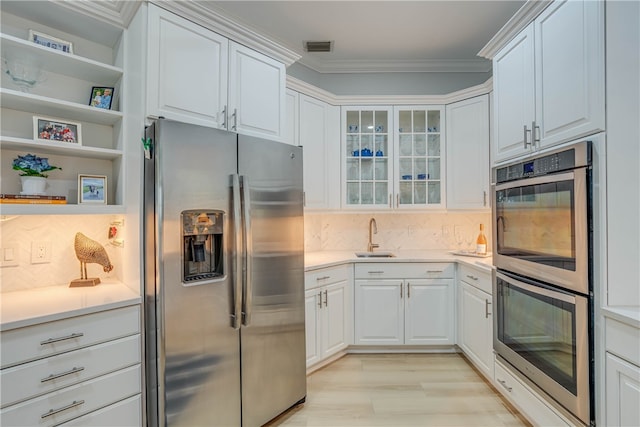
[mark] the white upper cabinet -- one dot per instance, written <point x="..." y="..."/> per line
<point x="198" y="76"/>
<point x="257" y="104"/>
<point x="549" y="80"/>
<point x="187" y="70"/>
<point x="468" y="154"/>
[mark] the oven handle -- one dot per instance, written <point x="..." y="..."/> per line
<point x="525" y="182"/>
<point x="537" y="290"/>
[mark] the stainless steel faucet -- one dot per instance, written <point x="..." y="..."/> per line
<point x="373" y="229"/>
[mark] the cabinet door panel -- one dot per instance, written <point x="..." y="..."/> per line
<point x="187" y="70"/>
<point x="257" y="103"/>
<point x="334" y="318"/>
<point x="379" y="312"/>
<point x="429" y="312"/>
<point x="312" y="326"/>
<point x="569" y="44"/>
<point x="622" y="391"/>
<point x="477" y="328"/>
<point x="513" y="95"/>
<point x="468" y="154"/>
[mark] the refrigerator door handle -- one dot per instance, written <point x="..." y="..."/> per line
<point x="237" y="252"/>
<point x="248" y="251"/>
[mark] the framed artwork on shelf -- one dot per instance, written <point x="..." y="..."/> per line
<point x="101" y="97"/>
<point x="50" y="41"/>
<point x="46" y="129"/>
<point x="92" y="189"/>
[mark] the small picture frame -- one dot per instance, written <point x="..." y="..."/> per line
<point x="92" y="189"/>
<point x="50" y="41"/>
<point x="47" y="129"/>
<point x="101" y="97"/>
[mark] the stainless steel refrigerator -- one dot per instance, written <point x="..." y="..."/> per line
<point x="224" y="277"/>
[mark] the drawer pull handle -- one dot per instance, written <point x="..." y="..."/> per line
<point x="64" y="408"/>
<point x="472" y="277"/>
<point x="68" y="337"/>
<point x="435" y="271"/>
<point x="62" y="374"/>
<point x="376" y="272"/>
<point x="323" y="278"/>
<point x="504" y="384"/>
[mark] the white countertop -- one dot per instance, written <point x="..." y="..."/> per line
<point x="316" y="260"/>
<point x="30" y="307"/>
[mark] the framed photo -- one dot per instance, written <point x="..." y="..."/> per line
<point x="101" y="97"/>
<point x="92" y="189"/>
<point x="46" y="129"/>
<point x="50" y="41"/>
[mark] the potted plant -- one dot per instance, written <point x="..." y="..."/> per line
<point x="32" y="173"/>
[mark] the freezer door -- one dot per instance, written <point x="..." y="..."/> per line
<point x="197" y="354"/>
<point x="272" y="335"/>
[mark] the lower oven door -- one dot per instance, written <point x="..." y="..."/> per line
<point x="543" y="333"/>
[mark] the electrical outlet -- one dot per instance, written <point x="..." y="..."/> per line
<point x="40" y="252"/>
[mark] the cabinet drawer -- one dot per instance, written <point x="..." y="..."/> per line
<point x="325" y="276"/>
<point x="400" y="270"/>
<point x="121" y="414"/>
<point x="622" y="340"/>
<point x="35" y="342"/>
<point x="475" y="277"/>
<point x="71" y="402"/>
<point x="531" y="406"/>
<point x="52" y="373"/>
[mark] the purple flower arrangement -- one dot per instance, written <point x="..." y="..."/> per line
<point x="32" y="165"/>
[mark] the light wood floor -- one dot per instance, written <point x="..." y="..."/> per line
<point x="400" y="390"/>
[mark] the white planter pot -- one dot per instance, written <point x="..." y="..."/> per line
<point x="33" y="185"/>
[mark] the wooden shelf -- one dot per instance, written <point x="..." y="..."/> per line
<point x="59" y="62"/>
<point x="51" y="107"/>
<point x="58" y="148"/>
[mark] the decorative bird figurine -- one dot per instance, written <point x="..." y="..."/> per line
<point x="89" y="251"/>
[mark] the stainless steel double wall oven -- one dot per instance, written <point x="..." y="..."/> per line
<point x="542" y="286"/>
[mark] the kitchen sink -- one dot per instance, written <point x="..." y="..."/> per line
<point x="375" y="254"/>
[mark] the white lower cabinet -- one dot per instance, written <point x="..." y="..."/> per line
<point x="622" y="392"/>
<point x="404" y="304"/>
<point x="328" y="313"/>
<point x="77" y="368"/>
<point x="475" y="319"/>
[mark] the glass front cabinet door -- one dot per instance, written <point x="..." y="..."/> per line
<point x="419" y="148"/>
<point x="367" y="150"/>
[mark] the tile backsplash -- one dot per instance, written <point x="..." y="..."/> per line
<point x="396" y="231"/>
<point x="59" y="230"/>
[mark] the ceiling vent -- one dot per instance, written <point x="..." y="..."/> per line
<point x="311" y="46"/>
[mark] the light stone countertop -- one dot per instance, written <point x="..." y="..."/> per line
<point x="46" y="304"/>
<point x="322" y="259"/>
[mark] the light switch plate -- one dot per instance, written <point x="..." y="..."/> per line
<point x="9" y="254"/>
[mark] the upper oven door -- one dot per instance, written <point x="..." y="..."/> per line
<point x="541" y="229"/>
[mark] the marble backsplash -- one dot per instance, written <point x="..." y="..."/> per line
<point x="396" y="231"/>
<point x="59" y="230"/>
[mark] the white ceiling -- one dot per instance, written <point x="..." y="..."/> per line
<point x="379" y="36"/>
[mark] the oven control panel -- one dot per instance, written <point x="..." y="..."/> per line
<point x="562" y="160"/>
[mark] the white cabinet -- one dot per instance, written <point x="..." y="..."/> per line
<point x="315" y="125"/>
<point x="187" y="70"/>
<point x="475" y="319"/>
<point x="622" y="392"/>
<point x="404" y="304"/>
<point x="61" y="94"/>
<point x="468" y="154"/>
<point x="58" y="371"/>
<point x="197" y="76"/>
<point x="549" y="80"/>
<point x="328" y="312"/>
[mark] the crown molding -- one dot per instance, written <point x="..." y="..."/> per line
<point x="114" y="12"/>
<point x="523" y="17"/>
<point x="397" y="66"/>
<point x="330" y="98"/>
<point x="204" y="14"/>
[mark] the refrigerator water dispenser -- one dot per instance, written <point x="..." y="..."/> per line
<point x="202" y="245"/>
